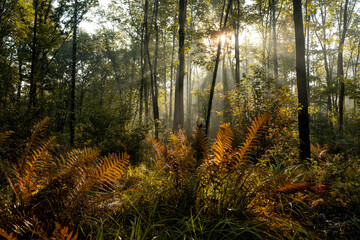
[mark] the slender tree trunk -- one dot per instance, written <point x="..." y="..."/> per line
<point x="307" y="40"/>
<point x="146" y="42"/>
<point x="21" y="78"/>
<point x="189" y="69"/>
<point x="165" y="82"/>
<point x="274" y="35"/>
<point x="34" y="58"/>
<point x="142" y="77"/>
<point x="216" y="69"/>
<point x="179" y="88"/>
<point x="73" y="77"/>
<point x="237" y="52"/>
<point x="154" y="87"/>
<point x="189" y="99"/>
<point x="171" y="76"/>
<point x="302" y="84"/>
<point x="340" y="68"/>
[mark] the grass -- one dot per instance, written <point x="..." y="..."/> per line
<point x="192" y="189"/>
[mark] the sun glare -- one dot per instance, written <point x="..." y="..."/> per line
<point x="222" y="38"/>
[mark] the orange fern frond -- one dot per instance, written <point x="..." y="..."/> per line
<point x="110" y="169"/>
<point x="62" y="233"/>
<point x="76" y="158"/>
<point x="35" y="139"/>
<point x="160" y="149"/>
<point x="7" y="236"/>
<point x="251" y="139"/>
<point x="222" y="143"/>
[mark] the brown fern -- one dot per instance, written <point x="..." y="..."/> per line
<point x="251" y="139"/>
<point x="35" y="140"/>
<point x="4" y="136"/>
<point x="8" y="236"/>
<point x="222" y="143"/>
<point x="109" y="169"/>
<point x="50" y="189"/>
<point x="62" y="233"/>
<point x="177" y="157"/>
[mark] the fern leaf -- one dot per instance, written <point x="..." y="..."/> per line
<point x="202" y="142"/>
<point x="35" y="139"/>
<point x="7" y="236"/>
<point x="222" y="143"/>
<point x="62" y="233"/>
<point x="160" y="149"/>
<point x="4" y="136"/>
<point x="111" y="168"/>
<point x="251" y="139"/>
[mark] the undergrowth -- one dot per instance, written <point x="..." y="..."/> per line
<point x="194" y="188"/>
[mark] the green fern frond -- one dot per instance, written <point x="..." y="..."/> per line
<point x="251" y="139"/>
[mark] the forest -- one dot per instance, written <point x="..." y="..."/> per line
<point x="179" y="119"/>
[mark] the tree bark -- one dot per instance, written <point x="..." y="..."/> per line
<point x="34" y="62"/>
<point x="302" y="84"/>
<point x="73" y="77"/>
<point x="179" y="88"/>
<point x="237" y="52"/>
<point x="153" y="71"/>
<point x="216" y="69"/>
<point x="340" y="68"/>
<point x="171" y="76"/>
<point x="274" y="35"/>
<point x="165" y="72"/>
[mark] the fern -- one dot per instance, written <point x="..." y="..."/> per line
<point x="251" y="139"/>
<point x="62" y="233"/>
<point x="222" y="143"/>
<point x="35" y="140"/>
<point x="4" y="136"/>
<point x="7" y="236"/>
<point x="49" y="189"/>
<point x="178" y="157"/>
<point x="109" y="169"/>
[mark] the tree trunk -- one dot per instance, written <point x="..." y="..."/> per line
<point x="145" y="82"/>
<point x="340" y="68"/>
<point x="73" y="77"/>
<point x="237" y="52"/>
<point x="142" y="77"/>
<point x="171" y="76"/>
<point x="216" y="69"/>
<point x="34" y="58"/>
<point x="154" y="87"/>
<point x="165" y="72"/>
<point x="307" y="12"/>
<point x="274" y="35"/>
<point x="179" y="88"/>
<point x="21" y="78"/>
<point x="302" y="84"/>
